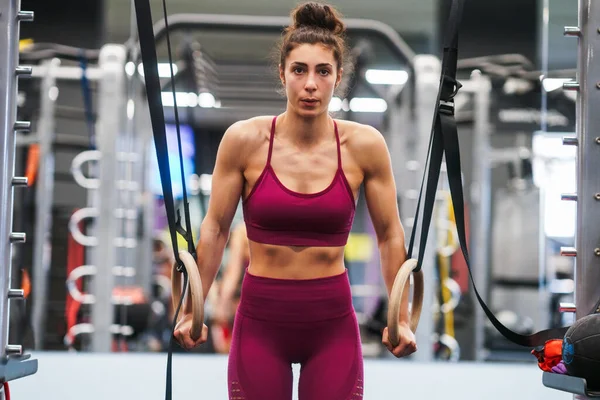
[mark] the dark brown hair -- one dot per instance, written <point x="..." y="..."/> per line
<point x="314" y="23"/>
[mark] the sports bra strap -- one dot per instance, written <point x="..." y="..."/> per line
<point x="339" y="146"/>
<point x="271" y="140"/>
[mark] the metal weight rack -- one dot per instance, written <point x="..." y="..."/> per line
<point x="587" y="240"/>
<point x="13" y="364"/>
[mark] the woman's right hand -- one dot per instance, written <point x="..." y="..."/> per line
<point x="183" y="333"/>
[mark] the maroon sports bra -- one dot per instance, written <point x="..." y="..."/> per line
<point x="277" y="215"/>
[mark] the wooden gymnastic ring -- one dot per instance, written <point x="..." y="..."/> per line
<point x="194" y="292"/>
<point x="393" y="315"/>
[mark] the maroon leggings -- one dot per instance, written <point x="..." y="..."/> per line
<point x="280" y="322"/>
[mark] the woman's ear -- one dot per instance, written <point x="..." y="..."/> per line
<point x="281" y="74"/>
<point x="339" y="77"/>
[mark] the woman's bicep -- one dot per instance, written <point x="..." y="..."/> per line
<point x="227" y="181"/>
<point x="380" y="189"/>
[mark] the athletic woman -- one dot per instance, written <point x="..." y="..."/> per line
<point x="298" y="175"/>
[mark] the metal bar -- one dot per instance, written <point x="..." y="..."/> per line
<point x="480" y="202"/>
<point x="44" y="199"/>
<point x="143" y="129"/>
<point x="264" y="24"/>
<point x="111" y="104"/>
<point x="398" y="136"/>
<point x="8" y="83"/>
<point x="45" y="51"/>
<point x="67" y="72"/>
<point x="587" y="274"/>
<point x="569" y="384"/>
<point x="427" y="72"/>
<point x="126" y="198"/>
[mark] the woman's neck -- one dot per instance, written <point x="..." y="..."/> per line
<point x="304" y="131"/>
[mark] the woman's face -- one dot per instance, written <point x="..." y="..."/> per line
<point x="310" y="76"/>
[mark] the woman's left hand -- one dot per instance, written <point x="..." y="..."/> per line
<point x="407" y="344"/>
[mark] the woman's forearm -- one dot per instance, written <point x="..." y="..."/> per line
<point x="393" y="255"/>
<point x="210" y="250"/>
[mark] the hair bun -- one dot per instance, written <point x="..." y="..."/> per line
<point x="318" y="15"/>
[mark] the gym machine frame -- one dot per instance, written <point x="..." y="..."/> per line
<point x="14" y="364"/>
<point x="49" y="72"/>
<point x="587" y="240"/>
<point x="479" y="87"/>
<point x="111" y="242"/>
<point x="115" y="179"/>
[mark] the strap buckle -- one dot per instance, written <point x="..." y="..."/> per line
<point x="446" y="107"/>
<point x="450" y="88"/>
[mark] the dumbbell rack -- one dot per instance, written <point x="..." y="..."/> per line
<point x="13" y="363"/>
<point x="587" y="140"/>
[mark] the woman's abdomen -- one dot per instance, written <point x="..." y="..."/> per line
<point x="295" y="262"/>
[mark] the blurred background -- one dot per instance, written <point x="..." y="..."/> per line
<point x="96" y="264"/>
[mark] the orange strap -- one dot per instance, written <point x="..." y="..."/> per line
<point x="25" y="282"/>
<point x="33" y="162"/>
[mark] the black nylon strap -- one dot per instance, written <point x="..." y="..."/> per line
<point x="447" y="90"/>
<point x="451" y="150"/>
<point x="154" y="97"/>
<point x="436" y="153"/>
<point x="153" y="94"/>
<point x="444" y="142"/>
<point x="187" y="232"/>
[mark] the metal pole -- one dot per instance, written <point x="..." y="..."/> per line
<point x="111" y="104"/>
<point x="127" y="194"/>
<point x="10" y="17"/>
<point x="144" y="199"/>
<point x="44" y="197"/>
<point x="427" y="74"/>
<point x="67" y="72"/>
<point x="480" y="87"/>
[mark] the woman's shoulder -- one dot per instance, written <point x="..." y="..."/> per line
<point x="360" y="138"/>
<point x="248" y="133"/>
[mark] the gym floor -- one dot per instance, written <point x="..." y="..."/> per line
<point x="142" y="376"/>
